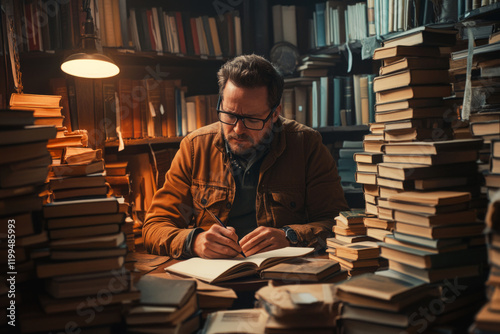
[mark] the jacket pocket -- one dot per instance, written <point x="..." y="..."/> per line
<point x="287" y="207"/>
<point x="206" y="197"/>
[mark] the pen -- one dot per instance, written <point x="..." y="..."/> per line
<point x="221" y="224"/>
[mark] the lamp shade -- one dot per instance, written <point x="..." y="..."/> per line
<point x="90" y="65"/>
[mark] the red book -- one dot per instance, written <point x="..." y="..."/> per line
<point x="151" y="29"/>
<point x="230" y="30"/>
<point x="31" y="27"/>
<point x="180" y="31"/>
<point x="196" y="42"/>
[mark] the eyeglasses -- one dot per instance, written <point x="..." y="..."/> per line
<point x="250" y="123"/>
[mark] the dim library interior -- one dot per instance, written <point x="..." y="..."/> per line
<point x="406" y="97"/>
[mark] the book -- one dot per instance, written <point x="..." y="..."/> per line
<point x="27" y="134"/>
<point x="20" y="152"/>
<point x="424" y="259"/>
<point x="80" y="254"/>
<point x="413" y="92"/>
<point x="409" y="114"/>
<point x="427" y="209"/>
<point x="297" y="301"/>
<point x="408" y="104"/>
<point x="352" y="217"/>
<point x="84" y="231"/>
<point x="93" y="242"/>
<point x="81" y="207"/>
<point x="87" y="284"/>
<point x="301" y="269"/>
<point x="91" y="180"/>
<point x="414" y="63"/>
<point x="410" y="77"/>
<point x="435" y="274"/>
<point x="403" y="51"/>
<point x="433" y="159"/>
<point x="368" y="157"/>
<point x="218" y="270"/>
<point x="358" y="251"/>
<point x="77" y="169"/>
<point x="435" y="198"/>
<point x="34" y="100"/>
<point x="436" y="232"/>
<point x="404" y="171"/>
<point x="423" y="36"/>
<point x="50" y="269"/>
<point x="85" y="192"/>
<point x="232" y="320"/>
<point x="156" y="291"/>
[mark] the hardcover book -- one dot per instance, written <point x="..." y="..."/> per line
<point x="218" y="270"/>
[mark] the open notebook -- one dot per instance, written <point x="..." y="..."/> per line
<point x="218" y="270"/>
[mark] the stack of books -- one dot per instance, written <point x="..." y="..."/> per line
<point x="384" y="302"/>
<point x="356" y="252"/>
<point x="164" y="305"/>
<point x="299" y="308"/>
<point x="86" y="256"/>
<point x="79" y="174"/>
<point x="47" y="111"/>
<point x="488" y="318"/>
<point x="24" y="161"/>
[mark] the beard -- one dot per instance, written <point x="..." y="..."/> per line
<point x="241" y="145"/>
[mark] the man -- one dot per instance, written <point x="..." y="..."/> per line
<point x="270" y="180"/>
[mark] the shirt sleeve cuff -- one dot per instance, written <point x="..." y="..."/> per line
<point x="188" y="244"/>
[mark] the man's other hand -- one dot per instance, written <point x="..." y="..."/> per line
<point x="217" y="243"/>
<point x="263" y="239"/>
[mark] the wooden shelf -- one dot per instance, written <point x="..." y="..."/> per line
<point x="145" y="141"/>
<point x="350" y="132"/>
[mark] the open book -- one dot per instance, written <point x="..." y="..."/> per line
<point x="218" y="270"/>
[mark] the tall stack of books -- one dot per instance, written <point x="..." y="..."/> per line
<point x="487" y="320"/>
<point x="86" y="259"/>
<point x="24" y="161"/>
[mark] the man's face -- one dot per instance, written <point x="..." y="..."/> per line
<point x="250" y="102"/>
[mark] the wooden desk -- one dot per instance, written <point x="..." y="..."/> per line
<point x="244" y="287"/>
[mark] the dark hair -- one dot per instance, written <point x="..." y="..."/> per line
<point x="251" y="71"/>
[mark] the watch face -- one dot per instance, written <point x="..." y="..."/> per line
<point x="285" y="56"/>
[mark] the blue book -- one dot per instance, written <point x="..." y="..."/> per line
<point x="206" y="27"/>
<point x="178" y="112"/>
<point x="371" y="99"/>
<point x="320" y="24"/>
<point x="337" y="100"/>
<point x="349" y="101"/>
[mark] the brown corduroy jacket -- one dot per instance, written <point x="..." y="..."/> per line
<point x="298" y="186"/>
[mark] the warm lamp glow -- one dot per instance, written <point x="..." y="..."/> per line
<point x="95" y="66"/>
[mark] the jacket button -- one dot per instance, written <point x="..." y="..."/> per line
<point x="293" y="205"/>
<point x="203" y="201"/>
<point x="228" y="205"/>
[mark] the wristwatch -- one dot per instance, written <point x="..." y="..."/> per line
<point x="291" y="235"/>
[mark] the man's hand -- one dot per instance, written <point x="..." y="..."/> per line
<point x="217" y="243"/>
<point x="263" y="239"/>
